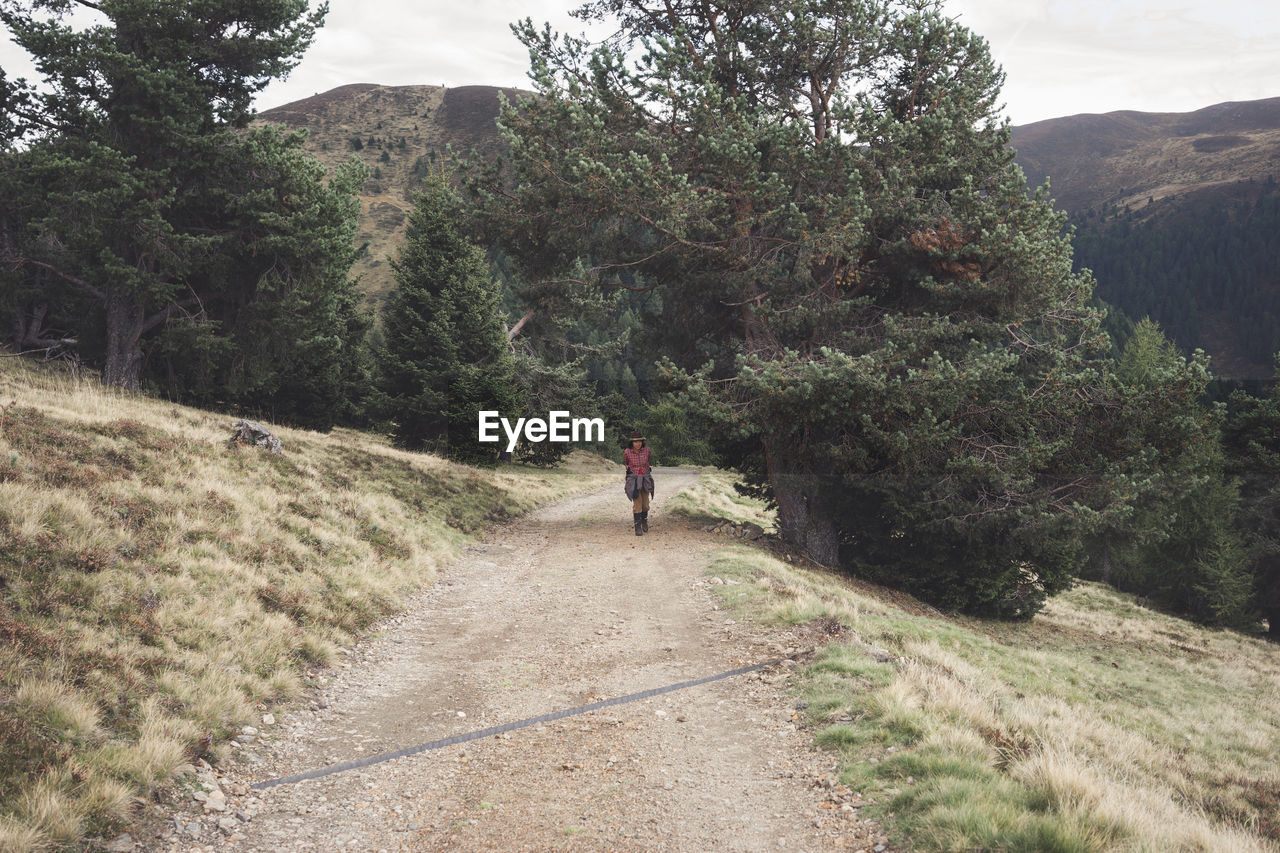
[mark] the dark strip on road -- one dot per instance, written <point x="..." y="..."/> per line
<point x="497" y="730"/>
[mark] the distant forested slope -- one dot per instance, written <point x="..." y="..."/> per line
<point x="1176" y="215"/>
<point x="1205" y="266"/>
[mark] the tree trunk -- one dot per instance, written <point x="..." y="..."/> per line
<point x="29" y="332"/>
<point x="805" y="517"/>
<point x="125" y="319"/>
<point x="28" y="321"/>
<point x="28" y="326"/>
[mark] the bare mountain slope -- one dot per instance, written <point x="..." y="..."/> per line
<point x="400" y="132"/>
<point x="1126" y="158"/>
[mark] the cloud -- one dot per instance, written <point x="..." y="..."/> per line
<point x="398" y="42"/>
<point x="1062" y="58"/>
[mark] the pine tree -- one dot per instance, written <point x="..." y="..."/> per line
<point x="112" y="166"/>
<point x="1178" y="543"/>
<point x="289" y="342"/>
<point x="873" y="319"/>
<point x="446" y="356"/>
<point x="1252" y="442"/>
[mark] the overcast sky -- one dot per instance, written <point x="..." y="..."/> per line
<point x="1061" y="57"/>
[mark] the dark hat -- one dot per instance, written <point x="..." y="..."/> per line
<point x="636" y="436"/>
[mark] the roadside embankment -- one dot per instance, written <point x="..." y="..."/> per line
<point x="159" y="588"/>
<point x="1098" y="725"/>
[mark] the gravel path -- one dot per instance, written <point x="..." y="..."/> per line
<point x="559" y="609"/>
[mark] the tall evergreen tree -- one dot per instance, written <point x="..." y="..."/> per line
<point x="287" y="337"/>
<point x="1252" y="442"/>
<point x="113" y="167"/>
<point x="876" y="321"/>
<point x="446" y="353"/>
<point x="1178" y="543"/>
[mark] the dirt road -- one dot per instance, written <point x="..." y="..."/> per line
<point x="559" y="609"/>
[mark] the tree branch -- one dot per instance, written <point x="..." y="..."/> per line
<point x="516" y="329"/>
<point x="78" y="282"/>
<point x="168" y="311"/>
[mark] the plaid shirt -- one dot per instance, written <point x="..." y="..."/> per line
<point x="637" y="461"/>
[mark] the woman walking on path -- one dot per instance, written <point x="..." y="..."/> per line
<point x="639" y="481"/>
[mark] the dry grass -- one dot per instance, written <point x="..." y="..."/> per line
<point x="1099" y="725"/>
<point x="156" y="585"/>
<point x="713" y="498"/>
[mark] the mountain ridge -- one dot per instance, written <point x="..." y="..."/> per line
<point x="1173" y="213"/>
<point x="1128" y="157"/>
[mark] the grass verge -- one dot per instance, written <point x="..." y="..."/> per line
<point x="1098" y="725"/>
<point x="713" y="498"/>
<point x="158" y="588"/>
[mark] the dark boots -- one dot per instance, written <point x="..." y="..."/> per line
<point x="642" y="522"/>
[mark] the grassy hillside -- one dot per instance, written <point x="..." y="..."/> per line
<point x="1126" y="158"/>
<point x="1099" y="725"/>
<point x="401" y="133"/>
<point x="159" y="588"/>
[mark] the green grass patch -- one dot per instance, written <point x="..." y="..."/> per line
<point x="1098" y="725"/>
<point x="713" y="498"/>
<point x="970" y="812"/>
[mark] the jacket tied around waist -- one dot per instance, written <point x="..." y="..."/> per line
<point x="637" y="483"/>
